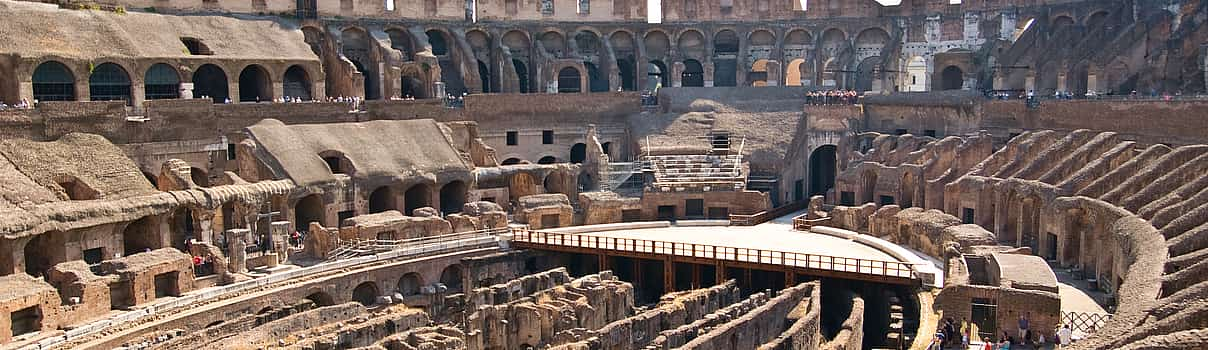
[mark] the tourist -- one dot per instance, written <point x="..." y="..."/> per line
<point x="965" y="328"/>
<point x="1023" y="326"/>
<point x="1064" y="336"/>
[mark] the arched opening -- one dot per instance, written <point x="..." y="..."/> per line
<point x="626" y="70"/>
<point x="656" y="74"/>
<point x="209" y="81"/>
<point x="1095" y="20"/>
<point x="596" y="82"/>
<point x="418" y="196"/>
<point x="625" y="50"/>
<point x="182" y="229"/>
<point x="296" y="83"/>
<point x="578" y="153"/>
<point x="822" y="169"/>
<point x="37" y="255"/>
<point x="758" y="76"/>
<point x="693" y="75"/>
<point x="309" y="209"/>
<point x="400" y="40"/>
<point x="792" y="74"/>
<point x="916" y="74"/>
<point x="909" y="186"/>
<point x="451" y="278"/>
<point x="321" y="299"/>
<point x="382" y="199"/>
<point x="336" y="162"/>
<point x="725" y="58"/>
<point x="522" y="184"/>
<point x="554" y="43"/>
<point x="452" y="197"/>
<point x="1029" y="223"/>
<point x="556" y="182"/>
<point x="510" y="161"/>
<point x="869" y="187"/>
<point x="53" y="82"/>
<point x="139" y="236"/>
<point x="199" y="177"/>
<point x="356" y="45"/>
<point x="109" y="82"/>
<point x="568" y="80"/>
<point x="152" y="179"/>
<point x="868" y="73"/>
<point x="522" y="75"/>
<point x="255" y="85"/>
<point x="410" y="284"/>
<point x="832" y="74"/>
<point x="586" y="182"/>
<point x="161" y="82"/>
<point x="437" y="40"/>
<point x="366" y="293"/>
<point x="413" y="87"/>
<point x="952" y="78"/>
<point x="484" y="74"/>
<point x="75" y="189"/>
<point x="1062" y="22"/>
<point x="1072" y="245"/>
<point x="607" y="148"/>
<point x="547" y="160"/>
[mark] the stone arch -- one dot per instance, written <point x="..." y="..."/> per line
<point x="570" y="80"/>
<point x="511" y="161"/>
<point x="554" y="43"/>
<point x="366" y="293"/>
<point x="181" y="227"/>
<point x="480" y="43"/>
<point x="871" y="41"/>
<point x="413" y="82"/>
<point x="758" y="76"/>
<point x="255" y="85"/>
<point x="658" y="44"/>
<point x="1095" y="19"/>
<point x="382" y="199"/>
<point x="578" y="153"/>
<point x="109" y="82"/>
<point x="832" y="42"/>
<point x="597" y="81"/>
<point x="1046" y="78"/>
<point x="140" y="235"/>
<point x="588" y="42"/>
<point x="832" y="73"/>
<point x="337" y="162"/>
<point x="37" y="253"/>
<point x="556" y="182"/>
<point x="691" y="44"/>
<point x="1063" y="21"/>
<point x="823" y="166"/>
<point x="1077" y="79"/>
<point x="410" y="283"/>
<point x="762" y="37"/>
<point x="694" y="73"/>
<point x="868" y="190"/>
<point x="161" y="81"/>
<point x="793" y="74"/>
<point x="296" y="83"/>
<point x="211" y="81"/>
<point x="952" y="78"/>
<point x="357" y="46"/>
<point x="199" y="176"/>
<point x="725" y="58"/>
<point x="916" y="74"/>
<point x="518" y="44"/>
<point x="522" y="184"/>
<point x="417" y="196"/>
<point x="547" y="160"/>
<point x="53" y="81"/>
<point x="307" y="210"/>
<point x="75" y="189"/>
<point x="625" y="50"/>
<point x="868" y="73"/>
<point x="451" y="277"/>
<point x="725" y="42"/>
<point x="799" y="37"/>
<point x="1029" y="223"/>
<point x="439" y="42"/>
<point x="321" y="299"/>
<point x="401" y="40"/>
<point x="452" y="197"/>
<point x="657" y="74"/>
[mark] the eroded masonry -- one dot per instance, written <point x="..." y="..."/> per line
<point x="616" y="174"/>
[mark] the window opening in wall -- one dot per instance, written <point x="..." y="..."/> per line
<point x="547" y="7"/>
<point x="513" y="138"/>
<point x="231" y="151"/>
<point x="165" y="284"/>
<point x="885" y="200"/>
<point x="195" y="47"/>
<point x="967" y="215"/>
<point x="161" y="82"/>
<point x="94" y="255"/>
<point x="27" y="320"/>
<point x="53" y="81"/>
<point x="694" y="208"/>
<point x="666" y="212"/>
<point x="847" y="198"/>
<point x="901" y="131"/>
<point x="547" y="137"/>
<point x="584" y="7"/>
<point x="929" y="133"/>
<point x="344" y="215"/>
<point x="719" y="213"/>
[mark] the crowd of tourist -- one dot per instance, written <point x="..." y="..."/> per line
<point x="203" y="266"/>
<point x="832" y="97"/>
<point x="952" y="335"/>
<point x="24" y="104"/>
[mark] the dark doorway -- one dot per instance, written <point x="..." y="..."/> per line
<point x="569" y="81"/>
<point x="578" y="153"/>
<point x="967" y="215"/>
<point x="822" y="170"/>
<point x="365" y="293"/>
<point x="139" y="236"/>
<point x="452" y="197"/>
<point x="409" y="284"/>
<point x="53" y="82"/>
<point x="451" y="278"/>
<point x="166" y="284"/>
<point x="626" y="69"/>
<point x="382" y="199"/>
<point x="798" y="190"/>
<point x="596" y="82"/>
<point x="211" y="82"/>
<point x="309" y="209"/>
<point x="418" y="196"/>
<point x="694" y="208"/>
<point x="484" y="74"/>
<point x="725" y="72"/>
<point x="550" y="221"/>
<point x="984" y="314"/>
<point x="547" y="160"/>
<point x="694" y="74"/>
<point x="254" y="85"/>
<point x="952" y="78"/>
<point x="296" y="83"/>
<point x="27" y="320"/>
<point x="413" y="88"/>
<point x="521" y="75"/>
<point x="37" y="255"/>
<point x="666" y="212"/>
<point x="657" y="74"/>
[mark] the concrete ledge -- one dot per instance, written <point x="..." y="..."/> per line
<point x="836" y="232"/>
<point x="923" y="268"/>
<point x="610" y="227"/>
<point x="696" y="223"/>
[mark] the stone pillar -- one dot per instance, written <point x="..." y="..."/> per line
<point x="668" y="275"/>
<point x="203" y="224"/>
<point x="1061" y="86"/>
<point x="708" y="66"/>
<point x="278" y="87"/>
<point x="677" y="74"/>
<point x="774" y="74"/>
<point x="186" y="91"/>
<point x="137" y="94"/>
<point x="1000" y="81"/>
<point x="236" y="240"/>
<point x="279" y="232"/>
<point x="1029" y="82"/>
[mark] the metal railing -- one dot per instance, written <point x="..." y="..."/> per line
<point x="766" y="215"/>
<point x="359" y="247"/>
<point x="800" y="223"/>
<point x="1085" y="322"/>
<point x="707" y="251"/>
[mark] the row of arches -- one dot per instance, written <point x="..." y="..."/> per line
<point x="409" y="284"/>
<point x="452" y="195"/>
<point x="55" y="81"/>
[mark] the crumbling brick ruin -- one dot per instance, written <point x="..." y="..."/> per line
<point x="600" y="175"/>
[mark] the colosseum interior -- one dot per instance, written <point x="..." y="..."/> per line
<point x="607" y="175"/>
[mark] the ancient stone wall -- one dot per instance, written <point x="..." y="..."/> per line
<point x="764" y="324"/>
